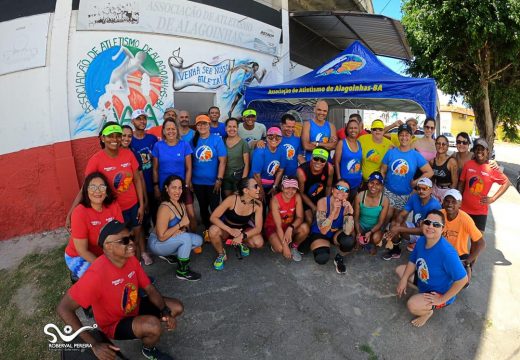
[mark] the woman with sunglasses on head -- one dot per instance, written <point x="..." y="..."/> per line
<point x="348" y="157"/>
<point x="445" y="169"/>
<point x="172" y="156"/>
<point x="121" y="168"/>
<point x="171" y="239"/>
<point x="434" y="267"/>
<point x="370" y="210"/>
<point x="334" y="224"/>
<point x="463" y="153"/>
<point x="238" y="219"/>
<point x="97" y="207"/>
<point x="268" y="163"/>
<point x="284" y="227"/>
<point x="426" y="145"/>
<point x="237" y="165"/>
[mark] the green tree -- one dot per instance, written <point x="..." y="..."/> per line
<point x="471" y="48"/>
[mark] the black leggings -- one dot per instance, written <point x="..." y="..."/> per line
<point x="207" y="200"/>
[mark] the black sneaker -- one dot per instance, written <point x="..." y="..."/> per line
<point x="395" y="253"/>
<point x="170" y="259"/>
<point x="155" y="354"/>
<point x="188" y="275"/>
<point x="340" y="265"/>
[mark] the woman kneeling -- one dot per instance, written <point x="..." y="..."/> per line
<point x="334" y="224"/>
<point x="171" y="239"/>
<point x="284" y="227"/>
<point x="238" y="219"/>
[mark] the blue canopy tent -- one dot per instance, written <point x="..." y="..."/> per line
<point x="354" y="79"/>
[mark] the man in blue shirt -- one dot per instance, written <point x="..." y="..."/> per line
<point x="435" y="268"/>
<point x="419" y="204"/>
<point x="318" y="132"/>
<point x="215" y="126"/>
<point x="142" y="145"/>
<point x="184" y="122"/>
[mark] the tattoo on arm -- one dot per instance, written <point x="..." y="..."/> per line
<point x="322" y="220"/>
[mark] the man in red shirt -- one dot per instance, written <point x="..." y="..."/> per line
<point x="110" y="286"/>
<point x="476" y="180"/>
<point x="341" y="132"/>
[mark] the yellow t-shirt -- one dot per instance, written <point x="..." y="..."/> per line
<point x="395" y="139"/>
<point x="373" y="154"/>
<point x="459" y="229"/>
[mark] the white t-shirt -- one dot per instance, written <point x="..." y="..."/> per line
<point x="258" y="132"/>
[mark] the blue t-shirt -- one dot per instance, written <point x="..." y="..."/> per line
<point x="220" y="130"/>
<point x="401" y="169"/>
<point x="419" y="211"/>
<point x="266" y="163"/>
<point x="350" y="165"/>
<point x="142" y="149"/>
<point x="437" y="267"/>
<point x="292" y="148"/>
<point x="188" y="136"/>
<point x="318" y="133"/>
<point x="205" y="159"/>
<point x="171" y="159"/>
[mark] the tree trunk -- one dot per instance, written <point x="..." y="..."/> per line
<point x="486" y="127"/>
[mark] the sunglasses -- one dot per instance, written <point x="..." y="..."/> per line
<point x="273" y="137"/>
<point x="318" y="159"/>
<point x="462" y="142"/>
<point x="441" y="144"/>
<point x="430" y="127"/>
<point x="422" y="188"/>
<point x="256" y="186"/>
<point x="100" y="188"/>
<point x="342" y="188"/>
<point x="123" y="241"/>
<point x="435" y="224"/>
<point x="376" y="129"/>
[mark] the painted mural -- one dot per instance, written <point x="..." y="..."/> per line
<point x="121" y="74"/>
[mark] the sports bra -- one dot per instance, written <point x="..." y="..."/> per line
<point x="232" y="218"/>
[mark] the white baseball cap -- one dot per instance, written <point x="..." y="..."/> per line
<point x="454" y="193"/>
<point x="138" y="112"/>
<point x="425" y="181"/>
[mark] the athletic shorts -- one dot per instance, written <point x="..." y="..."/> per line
<point x="77" y="265"/>
<point x="124" y="327"/>
<point x="313" y="237"/>
<point x="130" y="216"/>
<point x="413" y="238"/>
<point x="480" y="221"/>
<point x="396" y="201"/>
<point x="271" y="229"/>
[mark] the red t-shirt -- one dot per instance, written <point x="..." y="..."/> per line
<point x="287" y="212"/>
<point x="111" y="291"/>
<point x="119" y="172"/>
<point x="477" y="181"/>
<point x="86" y="223"/>
<point x="342" y="136"/>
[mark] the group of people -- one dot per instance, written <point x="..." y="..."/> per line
<point x="348" y="189"/>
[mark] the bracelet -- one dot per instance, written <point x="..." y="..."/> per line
<point x="220" y="179"/>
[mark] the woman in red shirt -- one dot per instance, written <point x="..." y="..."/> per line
<point x="97" y="207"/>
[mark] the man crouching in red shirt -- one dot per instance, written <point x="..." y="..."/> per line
<point x="111" y="287"/>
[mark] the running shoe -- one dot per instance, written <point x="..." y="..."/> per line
<point x="155" y="354"/>
<point x="296" y="256"/>
<point x="395" y="253"/>
<point x="410" y="247"/>
<point x="188" y="275"/>
<point x="170" y="259"/>
<point x="218" y="264"/>
<point x="340" y="265"/>
<point x="244" y="250"/>
<point x="147" y="259"/>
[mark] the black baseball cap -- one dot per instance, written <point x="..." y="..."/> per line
<point x="111" y="228"/>
<point x="405" y="127"/>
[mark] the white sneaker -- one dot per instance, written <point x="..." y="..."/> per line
<point x="296" y="256"/>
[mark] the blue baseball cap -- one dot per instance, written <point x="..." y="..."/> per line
<point x="376" y="175"/>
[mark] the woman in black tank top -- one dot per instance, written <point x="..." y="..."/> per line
<point x="445" y="169"/>
<point x="237" y="220"/>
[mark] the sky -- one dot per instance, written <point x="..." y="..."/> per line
<point x="392" y="9"/>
